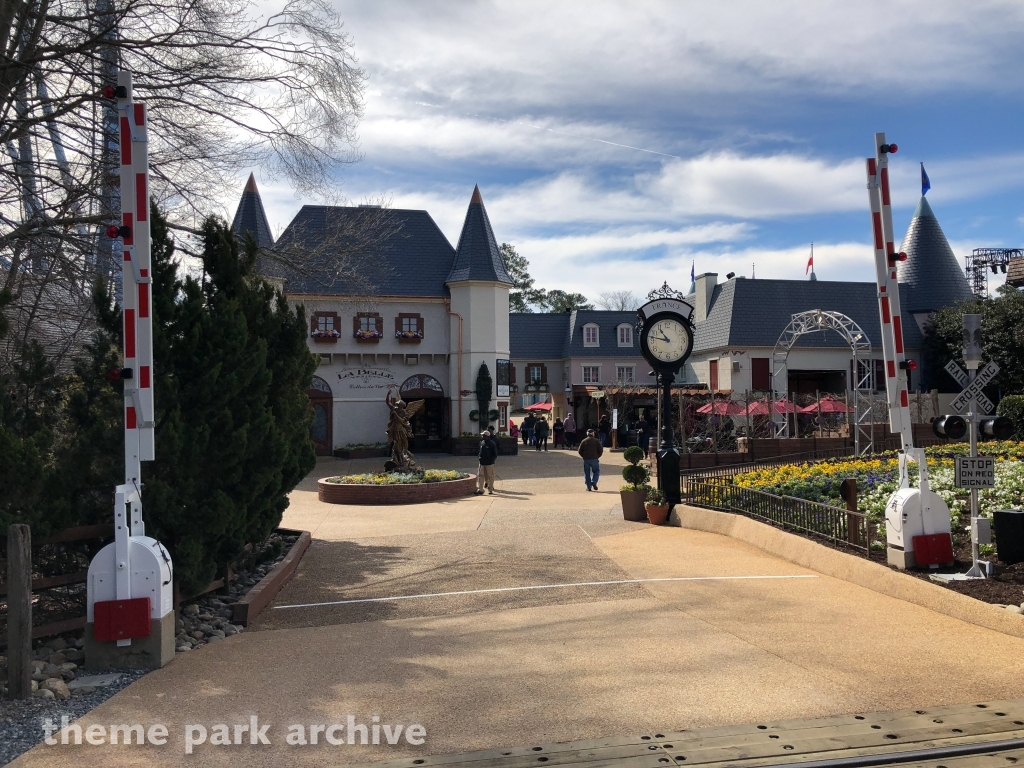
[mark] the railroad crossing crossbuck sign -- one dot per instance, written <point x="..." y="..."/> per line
<point x="972" y="389"/>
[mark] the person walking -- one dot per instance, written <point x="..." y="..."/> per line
<point x="528" y="426"/>
<point x="570" y="430"/>
<point x="641" y="435"/>
<point x="558" y="430"/>
<point x="513" y="430"/>
<point x="540" y="432"/>
<point x="604" y="429"/>
<point x="487" y="454"/>
<point x="590" y="451"/>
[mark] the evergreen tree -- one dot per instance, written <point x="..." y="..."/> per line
<point x="484" y="388"/>
<point x="232" y="419"/>
<point x="1002" y="341"/>
<point x="30" y="412"/>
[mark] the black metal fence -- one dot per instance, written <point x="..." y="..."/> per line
<point x="836" y="524"/>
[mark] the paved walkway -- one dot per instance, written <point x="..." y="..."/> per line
<point x="668" y="631"/>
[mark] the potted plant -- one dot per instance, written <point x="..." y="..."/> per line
<point x="657" y="506"/>
<point x="636" y="488"/>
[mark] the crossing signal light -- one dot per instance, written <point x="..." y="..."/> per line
<point x="888" y="148"/>
<point x="894" y="257"/>
<point x="114" y="231"/>
<point x="999" y="428"/>
<point x="950" y="426"/>
<point x="115" y="92"/>
<point x="116" y="374"/>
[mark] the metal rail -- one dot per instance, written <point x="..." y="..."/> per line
<point x="788" y="512"/>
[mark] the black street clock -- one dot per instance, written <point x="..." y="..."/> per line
<point x="666" y="341"/>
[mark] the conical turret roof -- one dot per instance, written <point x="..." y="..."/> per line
<point x="931" y="273"/>
<point x="477" y="256"/>
<point x="250" y="216"/>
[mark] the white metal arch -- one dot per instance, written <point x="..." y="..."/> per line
<point x="812" y="321"/>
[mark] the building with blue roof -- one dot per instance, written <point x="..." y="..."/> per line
<point x="392" y="306"/>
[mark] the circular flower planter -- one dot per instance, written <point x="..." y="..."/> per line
<point x="411" y="493"/>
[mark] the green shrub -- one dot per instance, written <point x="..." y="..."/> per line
<point x="636" y="476"/>
<point x="1012" y="406"/>
<point x="634" y="454"/>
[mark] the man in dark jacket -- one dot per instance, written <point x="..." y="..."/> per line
<point x="540" y="432"/>
<point x="487" y="455"/>
<point x="591" y="450"/>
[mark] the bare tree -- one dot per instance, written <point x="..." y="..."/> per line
<point x="227" y="87"/>
<point x="620" y="301"/>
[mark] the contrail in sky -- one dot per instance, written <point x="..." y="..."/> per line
<point x="560" y="133"/>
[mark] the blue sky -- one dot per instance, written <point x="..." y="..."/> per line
<point x="755" y="118"/>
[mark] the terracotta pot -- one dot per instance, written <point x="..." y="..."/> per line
<point x="633" y="505"/>
<point x="657" y="515"/>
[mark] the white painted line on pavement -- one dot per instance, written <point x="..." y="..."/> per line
<point x="540" y="586"/>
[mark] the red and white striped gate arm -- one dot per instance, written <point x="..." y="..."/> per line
<point x="136" y="281"/>
<point x="888" y="293"/>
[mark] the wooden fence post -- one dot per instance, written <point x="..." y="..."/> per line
<point x="19" y="611"/>
<point x="849" y="494"/>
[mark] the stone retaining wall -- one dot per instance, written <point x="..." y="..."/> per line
<point x="384" y="495"/>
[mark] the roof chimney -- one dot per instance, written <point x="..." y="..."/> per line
<point x="705" y="285"/>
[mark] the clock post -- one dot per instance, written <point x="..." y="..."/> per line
<point x="666" y="341"/>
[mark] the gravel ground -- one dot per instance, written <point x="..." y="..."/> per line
<point x="21" y="722"/>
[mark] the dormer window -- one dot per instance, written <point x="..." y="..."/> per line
<point x="591" y="337"/>
<point x="625" y="335"/>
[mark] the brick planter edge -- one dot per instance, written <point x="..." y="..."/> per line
<point x="385" y="495"/>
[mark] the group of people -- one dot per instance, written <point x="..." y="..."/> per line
<point x="535" y="431"/>
<point x="590" y="450"/>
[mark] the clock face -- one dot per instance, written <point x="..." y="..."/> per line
<point x="668" y="340"/>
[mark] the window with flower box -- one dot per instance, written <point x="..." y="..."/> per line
<point x="324" y="327"/>
<point x="409" y="328"/>
<point x="368" y="327"/>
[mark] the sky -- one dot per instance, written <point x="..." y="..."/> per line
<point x="618" y="143"/>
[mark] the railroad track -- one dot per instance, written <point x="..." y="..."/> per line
<point x="983" y="735"/>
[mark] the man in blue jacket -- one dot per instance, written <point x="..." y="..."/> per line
<point x="487" y="455"/>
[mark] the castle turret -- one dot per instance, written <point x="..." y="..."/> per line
<point x="931" y="275"/>
<point x="479" y="286"/>
<point x="250" y="217"/>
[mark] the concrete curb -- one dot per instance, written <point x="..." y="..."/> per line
<point x="856" y="570"/>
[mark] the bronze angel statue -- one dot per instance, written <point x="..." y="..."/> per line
<point x="399" y="432"/>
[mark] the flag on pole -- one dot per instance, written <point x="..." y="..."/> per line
<point x="692" y="273"/>
<point x="925" y="182"/>
<point x="810" y="261"/>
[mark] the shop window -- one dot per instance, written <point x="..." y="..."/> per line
<point x="591" y="374"/>
<point x="368" y="327"/>
<point x="325" y="326"/>
<point x="409" y="327"/>
<point x="591" y="337"/>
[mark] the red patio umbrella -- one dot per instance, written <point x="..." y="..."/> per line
<point x="758" y="408"/>
<point x="828" y="405"/>
<point x="724" y="408"/>
<point x="785" y="405"/>
<point x="538" y="407"/>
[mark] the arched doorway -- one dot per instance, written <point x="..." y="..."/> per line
<point x="321" y="432"/>
<point x="429" y="426"/>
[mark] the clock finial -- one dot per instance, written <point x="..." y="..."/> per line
<point x="665" y="292"/>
